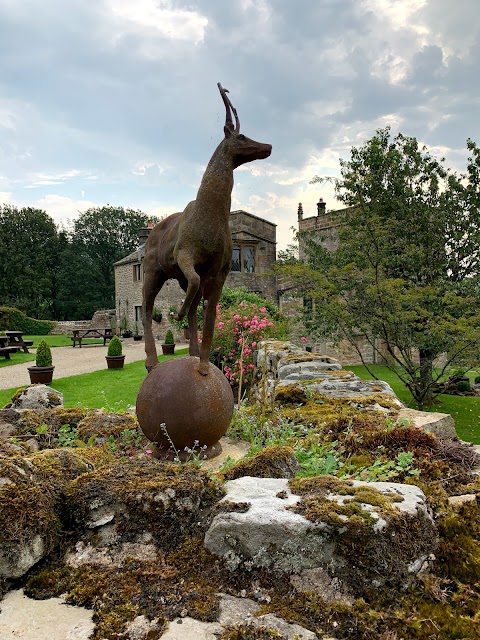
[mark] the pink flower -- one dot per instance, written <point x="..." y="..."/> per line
<point x="148" y="451"/>
<point x="262" y="310"/>
<point x="254" y="344"/>
<point x="303" y="339"/>
<point x="220" y="325"/>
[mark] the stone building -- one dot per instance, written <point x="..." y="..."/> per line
<point x="254" y="251"/>
<point x="323" y="228"/>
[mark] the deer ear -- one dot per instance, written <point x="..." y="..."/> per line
<point x="227" y="131"/>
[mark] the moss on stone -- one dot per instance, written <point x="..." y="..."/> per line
<point x="245" y="632"/>
<point x="272" y="462"/>
<point x="30" y="495"/>
<point x="290" y="394"/>
<point x="318" y="504"/>
<point x="162" y="498"/>
<point x="30" y="420"/>
<point x="103" y="425"/>
<point x="186" y="582"/>
<point x="458" y="555"/>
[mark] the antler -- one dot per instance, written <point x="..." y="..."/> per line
<point x="229" y="106"/>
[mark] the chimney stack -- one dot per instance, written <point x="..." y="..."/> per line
<point x="300" y="211"/>
<point x="144" y="233"/>
<point x="321" y="207"/>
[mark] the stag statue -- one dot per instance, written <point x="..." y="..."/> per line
<point x="195" y="246"/>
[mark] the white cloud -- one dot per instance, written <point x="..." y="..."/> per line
<point x="61" y="208"/>
<point x="161" y="18"/>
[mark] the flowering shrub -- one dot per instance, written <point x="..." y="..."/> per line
<point x="237" y="331"/>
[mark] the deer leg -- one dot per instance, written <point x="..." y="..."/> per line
<point x="152" y="284"/>
<point x="192" y="325"/>
<point x="209" y="327"/>
<point x="187" y="267"/>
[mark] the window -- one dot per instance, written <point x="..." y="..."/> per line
<point x="138" y="313"/>
<point x="243" y="258"/>
<point x="236" y="266"/>
<point x="137" y="272"/>
<point x="248" y="259"/>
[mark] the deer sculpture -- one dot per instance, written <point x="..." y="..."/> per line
<point x="195" y="246"/>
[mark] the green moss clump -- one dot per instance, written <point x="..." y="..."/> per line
<point x="272" y="462"/>
<point x="43" y="357"/>
<point x="290" y="394"/>
<point x="31" y="420"/>
<point x="185" y="582"/>
<point x="162" y="498"/>
<point x="31" y="501"/>
<point x="104" y="425"/>
<point x="458" y="555"/>
<point x="115" y="347"/>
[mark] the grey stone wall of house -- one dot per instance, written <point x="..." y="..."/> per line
<point x="246" y="228"/>
<point x="323" y="227"/>
<point x="261" y="234"/>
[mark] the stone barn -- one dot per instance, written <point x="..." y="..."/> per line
<point x="254" y="252"/>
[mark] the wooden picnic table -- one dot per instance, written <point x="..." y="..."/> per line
<point x="5" y="350"/>
<point x="80" y="334"/>
<point x="15" y="339"/>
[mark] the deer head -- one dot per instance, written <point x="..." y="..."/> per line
<point x="241" y="148"/>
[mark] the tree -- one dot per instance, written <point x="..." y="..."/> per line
<point x="28" y="251"/>
<point x="101" y="237"/>
<point x="405" y="273"/>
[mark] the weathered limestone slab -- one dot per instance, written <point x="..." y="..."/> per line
<point x="286" y="364"/>
<point x="269" y="352"/>
<point x="52" y="619"/>
<point x="338" y="388"/>
<point x="373" y="545"/>
<point x="441" y="424"/>
<point x="234" y="612"/>
<point x="306" y="370"/>
<point x="242" y="611"/>
<point x="38" y="396"/>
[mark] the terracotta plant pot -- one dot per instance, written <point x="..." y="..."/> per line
<point x="115" y="362"/>
<point x="168" y="349"/>
<point x="41" y="375"/>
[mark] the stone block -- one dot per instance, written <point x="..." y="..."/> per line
<point x="362" y="535"/>
<point x="441" y="424"/>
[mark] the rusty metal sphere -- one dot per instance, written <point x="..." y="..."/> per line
<point x="193" y="408"/>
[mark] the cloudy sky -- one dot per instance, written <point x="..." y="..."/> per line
<point x="115" y="101"/>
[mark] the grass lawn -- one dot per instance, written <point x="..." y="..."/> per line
<point x="465" y="410"/>
<point x="113" y="389"/>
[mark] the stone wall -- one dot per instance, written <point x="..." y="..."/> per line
<point x="101" y="319"/>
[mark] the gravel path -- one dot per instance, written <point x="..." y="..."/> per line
<point x="70" y="361"/>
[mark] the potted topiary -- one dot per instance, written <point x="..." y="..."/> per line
<point x="168" y="347"/>
<point x="114" y="357"/>
<point x="42" y="372"/>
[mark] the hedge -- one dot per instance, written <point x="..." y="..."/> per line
<point x="12" y="319"/>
